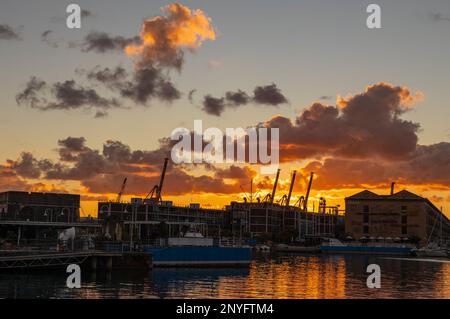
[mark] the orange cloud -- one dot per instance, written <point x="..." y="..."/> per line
<point x="164" y="37"/>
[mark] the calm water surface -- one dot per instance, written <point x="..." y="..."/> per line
<point x="323" y="276"/>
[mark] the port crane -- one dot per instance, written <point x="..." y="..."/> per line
<point x="285" y="200"/>
<point x="270" y="197"/>
<point x="155" y="194"/>
<point x="122" y="189"/>
<point x="302" y="202"/>
<point x="246" y="195"/>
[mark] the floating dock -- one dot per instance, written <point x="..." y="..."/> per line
<point x="88" y="259"/>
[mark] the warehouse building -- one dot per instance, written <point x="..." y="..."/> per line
<point x="398" y="216"/>
<point x="255" y="219"/>
<point x="150" y="220"/>
<point x="34" y="219"/>
<point x="39" y="207"/>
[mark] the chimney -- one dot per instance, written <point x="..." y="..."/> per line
<point x="392" y="188"/>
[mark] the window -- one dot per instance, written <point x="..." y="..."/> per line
<point x="404" y="209"/>
<point x="404" y="230"/>
<point x="366" y="229"/>
<point x="365" y="218"/>
<point x="365" y="209"/>
<point x="404" y="219"/>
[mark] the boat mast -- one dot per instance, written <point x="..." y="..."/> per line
<point x="440" y="240"/>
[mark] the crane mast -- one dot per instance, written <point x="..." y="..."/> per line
<point x="122" y="189"/>
<point x="294" y="173"/>
<point x="272" y="197"/>
<point x="305" y="203"/>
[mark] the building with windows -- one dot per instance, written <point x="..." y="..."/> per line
<point x="34" y="219"/>
<point x="149" y="220"/>
<point x="39" y="207"/>
<point x="254" y="219"/>
<point x="403" y="215"/>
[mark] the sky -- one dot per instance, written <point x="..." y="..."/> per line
<point x="359" y="107"/>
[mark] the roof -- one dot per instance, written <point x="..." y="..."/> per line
<point x="365" y="194"/>
<point x="402" y="195"/>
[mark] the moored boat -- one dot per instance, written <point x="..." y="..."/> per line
<point x="194" y="250"/>
<point x="336" y="246"/>
<point x="431" y="251"/>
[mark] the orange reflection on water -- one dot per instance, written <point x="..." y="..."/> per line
<point x="310" y="279"/>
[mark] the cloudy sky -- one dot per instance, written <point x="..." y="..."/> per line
<point x="82" y="109"/>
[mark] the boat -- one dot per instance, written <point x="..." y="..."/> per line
<point x="333" y="245"/>
<point x="283" y="248"/>
<point x="433" y="249"/>
<point x="195" y="250"/>
<point x="262" y="248"/>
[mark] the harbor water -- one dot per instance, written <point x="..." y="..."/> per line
<point x="300" y="277"/>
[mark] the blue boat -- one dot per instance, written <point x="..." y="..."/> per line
<point x="193" y="250"/>
<point x="199" y="256"/>
<point x="336" y="246"/>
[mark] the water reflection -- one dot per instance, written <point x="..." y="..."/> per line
<point x="321" y="276"/>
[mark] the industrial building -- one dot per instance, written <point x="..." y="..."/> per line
<point x="278" y="219"/>
<point x="397" y="216"/>
<point x="39" y="207"/>
<point x="147" y="219"/>
<point x="150" y="217"/>
<point x="34" y="219"/>
<point x="255" y="219"/>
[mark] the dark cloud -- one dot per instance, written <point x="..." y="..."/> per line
<point x="141" y="87"/>
<point x="264" y="95"/>
<point x="213" y="106"/>
<point x="27" y="166"/>
<point x="428" y="165"/>
<point x="102" y="42"/>
<point x="100" y="114"/>
<point x="8" y="33"/>
<point x="148" y="83"/>
<point x="101" y="171"/>
<point x="70" y="95"/>
<point x="62" y="96"/>
<point x="364" y="125"/>
<point x="144" y="85"/>
<point x="112" y="78"/>
<point x="158" y="49"/>
<point x="31" y="95"/>
<point x="237" y="98"/>
<point x="70" y="147"/>
<point x="76" y="144"/>
<point x="270" y="95"/>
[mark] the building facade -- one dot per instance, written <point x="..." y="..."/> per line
<point x="39" y="207"/>
<point x="148" y="218"/>
<point x="255" y="219"/>
<point x="402" y="215"/>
